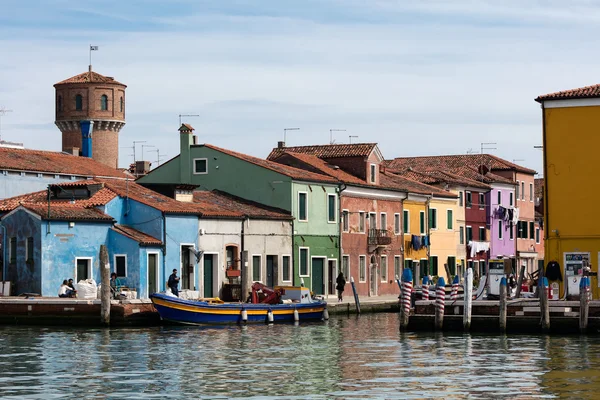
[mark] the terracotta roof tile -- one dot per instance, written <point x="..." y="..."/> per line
<point x="216" y="203"/>
<point x="89" y="77"/>
<point x="403" y="184"/>
<point x="433" y="177"/>
<point x="61" y="213"/>
<point x="321" y="166"/>
<point x="328" y="150"/>
<point x="54" y="163"/>
<point x="140" y="237"/>
<point x="101" y="197"/>
<point x="579" y="93"/>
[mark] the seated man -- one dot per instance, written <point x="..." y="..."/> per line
<point x="115" y="285"/>
<point x="66" y="291"/>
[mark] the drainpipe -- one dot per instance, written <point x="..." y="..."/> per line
<point x="243" y="269"/>
<point x="164" y="246"/>
<point x="546" y="213"/>
<point x="293" y="256"/>
<point x="341" y="188"/>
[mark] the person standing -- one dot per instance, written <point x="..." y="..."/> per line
<point x="340" y="284"/>
<point x="173" y="283"/>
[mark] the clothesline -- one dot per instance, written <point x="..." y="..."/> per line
<point x="477" y="247"/>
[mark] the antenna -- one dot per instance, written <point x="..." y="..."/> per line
<point x="352" y="136"/>
<point x="470" y="151"/>
<point x="143" y="146"/>
<point x="158" y="157"/>
<point x="515" y="160"/>
<point x="484" y="144"/>
<point x="331" y="134"/>
<point x="288" y="129"/>
<point x="134" y="143"/>
<point x="539" y="147"/>
<point x="186" y="115"/>
<point x="3" y="112"/>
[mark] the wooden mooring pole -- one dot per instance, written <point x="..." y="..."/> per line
<point x="356" y="301"/>
<point x="405" y="298"/>
<point x="440" y="303"/>
<point x="502" y="306"/>
<point x="584" y="303"/>
<point x="544" y="308"/>
<point x="105" y="288"/>
<point x="468" y="299"/>
<point x="520" y="281"/>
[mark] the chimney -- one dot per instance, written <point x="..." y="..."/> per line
<point x="87" y="127"/>
<point x="186" y="137"/>
<point x="280" y="145"/>
<point x="195" y="139"/>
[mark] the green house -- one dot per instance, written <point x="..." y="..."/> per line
<point x="311" y="198"/>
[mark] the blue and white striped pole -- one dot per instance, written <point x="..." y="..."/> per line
<point x="440" y="303"/>
<point x="407" y="279"/>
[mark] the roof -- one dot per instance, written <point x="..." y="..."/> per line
<point x="61" y="213"/>
<point x="90" y="77"/>
<point x="434" y="176"/>
<point x="585" y="92"/>
<point x="54" y="163"/>
<point x="101" y="197"/>
<point x="328" y="150"/>
<point x="216" y="203"/>
<point x="322" y="166"/>
<point x="140" y="237"/>
<point x="393" y="181"/>
<point x="291" y="172"/>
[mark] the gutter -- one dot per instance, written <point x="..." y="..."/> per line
<point x="341" y="188"/>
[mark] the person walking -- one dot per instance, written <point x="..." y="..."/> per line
<point x="173" y="283"/>
<point x="340" y="284"/>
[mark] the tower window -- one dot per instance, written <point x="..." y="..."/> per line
<point x="78" y="102"/>
<point x="121" y="103"/>
<point x="59" y="103"/>
<point x="104" y="102"/>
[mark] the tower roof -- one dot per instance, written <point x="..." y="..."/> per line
<point x="90" y="77"/>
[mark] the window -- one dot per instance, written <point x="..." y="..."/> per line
<point x="373" y="173"/>
<point x="522" y="230"/>
<point x="449" y="220"/>
<point x="433" y="261"/>
<point x="511" y="233"/>
<point x="256" y="268"/>
<point x="424" y="268"/>
<point x="469" y="234"/>
<point x="452" y="265"/>
<point x="361" y="222"/>
<point x="200" y="166"/>
<point x="104" y="102"/>
<point x="469" y="200"/>
<point x="397" y="268"/>
<point x="346" y="267"/>
<point x="500" y="230"/>
<point x="121" y="104"/>
<point x="481" y="201"/>
<point x="460" y="199"/>
<point x="432" y="218"/>
<point x="531" y="192"/>
<point x="302" y="207"/>
<point x="522" y="190"/>
<point x="83" y="268"/>
<point x="331" y="208"/>
<point x="78" y="102"/>
<point x="537" y="235"/>
<point x="499" y="198"/>
<point x="531" y="229"/>
<point x="406" y="221"/>
<point x="29" y="250"/>
<point x="345" y="221"/>
<point x="362" y="268"/>
<point x="12" y="250"/>
<point x="303" y="261"/>
<point x="510" y="199"/>
<point x="372" y="220"/>
<point x="286" y="271"/>
<point x="462" y="234"/>
<point x="383" y="220"/>
<point x="384" y="271"/>
<point x="422" y="222"/>
<point x="407" y="264"/>
<point x="518" y="189"/>
<point x="482" y="233"/>
<point x="397" y="224"/>
<point x="121" y="265"/>
<point x="59" y="103"/>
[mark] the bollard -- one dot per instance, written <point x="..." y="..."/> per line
<point x="356" y="301"/>
<point x="105" y="287"/>
<point x="440" y="303"/>
<point x="244" y="315"/>
<point x="584" y="303"/>
<point x="270" y="316"/>
<point x="502" y="306"/>
<point x="544" y="310"/>
<point x="425" y="288"/>
<point x="325" y="314"/>
<point x="468" y="299"/>
<point x="454" y="292"/>
<point x="296" y="315"/>
<point x="405" y="298"/>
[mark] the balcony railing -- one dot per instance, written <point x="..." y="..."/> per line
<point x="379" y="237"/>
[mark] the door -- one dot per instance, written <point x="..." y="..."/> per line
<point x="318" y="268"/>
<point x="373" y="276"/>
<point x="270" y="271"/>
<point x="152" y="272"/>
<point x="187" y="269"/>
<point x="332" y="275"/>
<point x="83" y="265"/>
<point x="208" y="275"/>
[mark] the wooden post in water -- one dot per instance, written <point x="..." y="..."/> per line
<point x="105" y="288"/>
<point x="405" y="298"/>
<point x="584" y="303"/>
<point x="468" y="299"/>
<point x="544" y="309"/>
<point x="356" y="301"/>
<point x="520" y="281"/>
<point x="502" y="306"/>
<point x="440" y="303"/>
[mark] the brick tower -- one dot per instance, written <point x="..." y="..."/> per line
<point x="90" y="112"/>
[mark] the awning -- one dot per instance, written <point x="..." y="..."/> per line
<point x="527" y="254"/>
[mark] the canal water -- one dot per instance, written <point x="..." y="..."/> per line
<point x="344" y="358"/>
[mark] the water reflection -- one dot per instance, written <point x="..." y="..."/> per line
<point x="364" y="357"/>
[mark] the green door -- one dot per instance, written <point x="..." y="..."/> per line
<point x="270" y="271"/>
<point x="317" y="276"/>
<point x="208" y="275"/>
<point x="152" y="272"/>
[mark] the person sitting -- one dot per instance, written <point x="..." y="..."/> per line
<point x="71" y="285"/>
<point x="115" y="285"/>
<point x="65" y="291"/>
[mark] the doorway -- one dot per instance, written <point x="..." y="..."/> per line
<point x="208" y="275"/>
<point x="83" y="268"/>
<point x="318" y="269"/>
<point x="332" y="269"/>
<point x="187" y="266"/>
<point x="271" y="271"/>
<point x="152" y="273"/>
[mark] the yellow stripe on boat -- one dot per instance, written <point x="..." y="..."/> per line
<point x="213" y="310"/>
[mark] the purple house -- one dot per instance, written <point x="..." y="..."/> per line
<point x="502" y="228"/>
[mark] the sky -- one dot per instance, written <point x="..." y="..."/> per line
<point x="419" y="78"/>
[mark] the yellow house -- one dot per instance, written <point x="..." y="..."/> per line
<point x="415" y="228"/>
<point x="571" y="139"/>
<point x="443" y="213"/>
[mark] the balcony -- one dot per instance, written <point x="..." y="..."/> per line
<point x="379" y="237"/>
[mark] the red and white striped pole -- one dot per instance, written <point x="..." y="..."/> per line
<point x="425" y="288"/>
<point x="440" y="303"/>
<point x="406" y="298"/>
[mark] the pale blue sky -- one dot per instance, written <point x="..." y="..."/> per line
<point x="419" y="78"/>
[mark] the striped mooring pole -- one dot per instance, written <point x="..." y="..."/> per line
<point x="407" y="285"/>
<point x="425" y="288"/>
<point x="454" y="293"/>
<point x="440" y="303"/>
<point x="584" y="303"/>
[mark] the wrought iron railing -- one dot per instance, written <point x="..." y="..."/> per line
<point x="379" y="237"/>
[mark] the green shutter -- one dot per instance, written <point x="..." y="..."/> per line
<point x="433" y="260"/>
<point x="405" y="222"/>
<point x="286" y="268"/>
<point x="422" y="222"/>
<point x="452" y="266"/>
<point x="531" y="230"/>
<point x="255" y="268"/>
<point x="331" y="215"/>
<point x="450" y="219"/>
<point x="303" y="262"/>
<point x="424" y="268"/>
<point x="430" y="219"/>
<point x="407" y="264"/>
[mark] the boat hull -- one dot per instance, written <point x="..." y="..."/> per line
<point x="198" y="312"/>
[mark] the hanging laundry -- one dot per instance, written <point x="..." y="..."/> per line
<point x="425" y="241"/>
<point x="509" y="214"/>
<point x="515" y="218"/>
<point x="477" y="247"/>
<point x="415" y="242"/>
<point x="501" y="212"/>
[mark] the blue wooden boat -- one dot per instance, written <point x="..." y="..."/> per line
<point x="182" y="311"/>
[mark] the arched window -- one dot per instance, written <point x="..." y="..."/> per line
<point x="59" y="103"/>
<point x="104" y="102"/>
<point x="121" y="103"/>
<point x="79" y="102"/>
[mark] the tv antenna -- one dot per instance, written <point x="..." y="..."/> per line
<point x="186" y="115"/>
<point x="352" y="136"/>
<point x="158" y="157"/>
<point x="484" y="144"/>
<point x="331" y="134"/>
<point x="471" y="151"/>
<point x="288" y="129"/>
<point x="3" y="112"/>
<point x="143" y="146"/>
